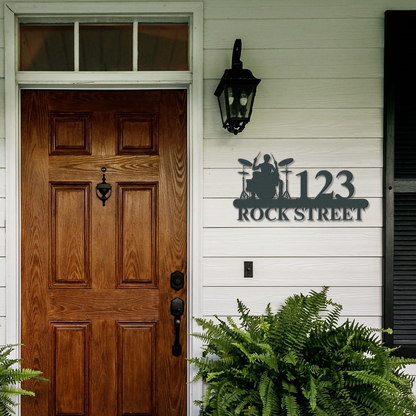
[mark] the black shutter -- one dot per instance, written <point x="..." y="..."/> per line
<point x="400" y="180"/>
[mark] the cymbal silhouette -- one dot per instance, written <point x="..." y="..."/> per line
<point x="243" y="173"/>
<point x="245" y="162"/>
<point x="285" y="162"/>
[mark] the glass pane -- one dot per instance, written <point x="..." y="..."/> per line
<point x="46" y="48"/>
<point x="106" y="47"/>
<point x="163" y="47"/>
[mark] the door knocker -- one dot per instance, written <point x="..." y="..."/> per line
<point x="103" y="188"/>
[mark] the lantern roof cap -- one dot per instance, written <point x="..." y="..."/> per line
<point x="236" y="75"/>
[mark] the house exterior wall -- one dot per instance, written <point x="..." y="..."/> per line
<point x="320" y="102"/>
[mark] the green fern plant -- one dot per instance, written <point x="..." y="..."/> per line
<point x="300" y="362"/>
<point x="10" y="376"/>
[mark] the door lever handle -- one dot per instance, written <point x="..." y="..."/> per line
<point x="176" y="309"/>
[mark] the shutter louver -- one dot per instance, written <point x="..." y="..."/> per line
<point x="404" y="269"/>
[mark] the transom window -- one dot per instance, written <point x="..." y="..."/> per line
<point x="115" y="46"/>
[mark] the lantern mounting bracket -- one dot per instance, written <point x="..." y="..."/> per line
<point x="236" y="92"/>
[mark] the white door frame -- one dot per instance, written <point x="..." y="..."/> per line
<point x="191" y="80"/>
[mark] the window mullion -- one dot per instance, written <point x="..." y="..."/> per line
<point x="135" y="46"/>
<point x="76" y="46"/>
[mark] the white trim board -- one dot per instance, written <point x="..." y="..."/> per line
<point x="191" y="80"/>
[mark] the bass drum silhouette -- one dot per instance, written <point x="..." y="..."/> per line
<point x="263" y="185"/>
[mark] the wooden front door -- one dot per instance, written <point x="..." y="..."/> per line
<point x="96" y="290"/>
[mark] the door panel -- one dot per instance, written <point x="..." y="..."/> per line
<point x="96" y="278"/>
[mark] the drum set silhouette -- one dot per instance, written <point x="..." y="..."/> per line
<point x="265" y="179"/>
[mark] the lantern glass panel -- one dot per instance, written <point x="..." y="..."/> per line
<point x="240" y="100"/>
<point x="223" y="106"/>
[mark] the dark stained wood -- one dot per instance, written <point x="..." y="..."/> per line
<point x="70" y="368"/>
<point x="137" y="134"/>
<point x="96" y="279"/>
<point x="136" y="252"/>
<point x="70" y="224"/>
<point x="70" y="133"/>
<point x="137" y="383"/>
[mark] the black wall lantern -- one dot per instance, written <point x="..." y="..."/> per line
<point x="236" y="92"/>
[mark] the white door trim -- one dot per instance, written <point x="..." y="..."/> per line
<point x="191" y="80"/>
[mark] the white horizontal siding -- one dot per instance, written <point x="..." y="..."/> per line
<point x="2" y="242"/>
<point x="320" y="102"/>
<point x="292" y="242"/>
<point x="294" y="33"/>
<point x="2" y="182"/>
<point x="2" y="330"/>
<point x="301" y="123"/>
<point x="2" y="212"/>
<point x="2" y="302"/>
<point x="310" y="93"/>
<point x="299" y="63"/>
<point x="2" y="153"/>
<point x="1" y="108"/>
<point x="316" y="9"/>
<point x="277" y="271"/>
<point x="2" y="63"/>
<point x="356" y="301"/>
<point x="307" y="153"/>
<point x="2" y="271"/>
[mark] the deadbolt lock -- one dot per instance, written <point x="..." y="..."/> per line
<point x="177" y="280"/>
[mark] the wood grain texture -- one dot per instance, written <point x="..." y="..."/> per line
<point x="105" y="303"/>
<point x="122" y="167"/>
<point x="137" y="234"/>
<point x="292" y="242"/>
<point x="137" y="133"/>
<point x="70" y="377"/>
<point x="227" y="183"/>
<point x="69" y="133"/>
<point x="34" y="254"/>
<point x="269" y="272"/>
<point x="137" y="382"/>
<point x="145" y="215"/>
<point x="322" y="153"/>
<point x="70" y="238"/>
<point x="172" y="223"/>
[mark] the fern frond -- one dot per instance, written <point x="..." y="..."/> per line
<point x="300" y="361"/>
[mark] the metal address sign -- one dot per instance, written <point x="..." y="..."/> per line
<point x="265" y="195"/>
